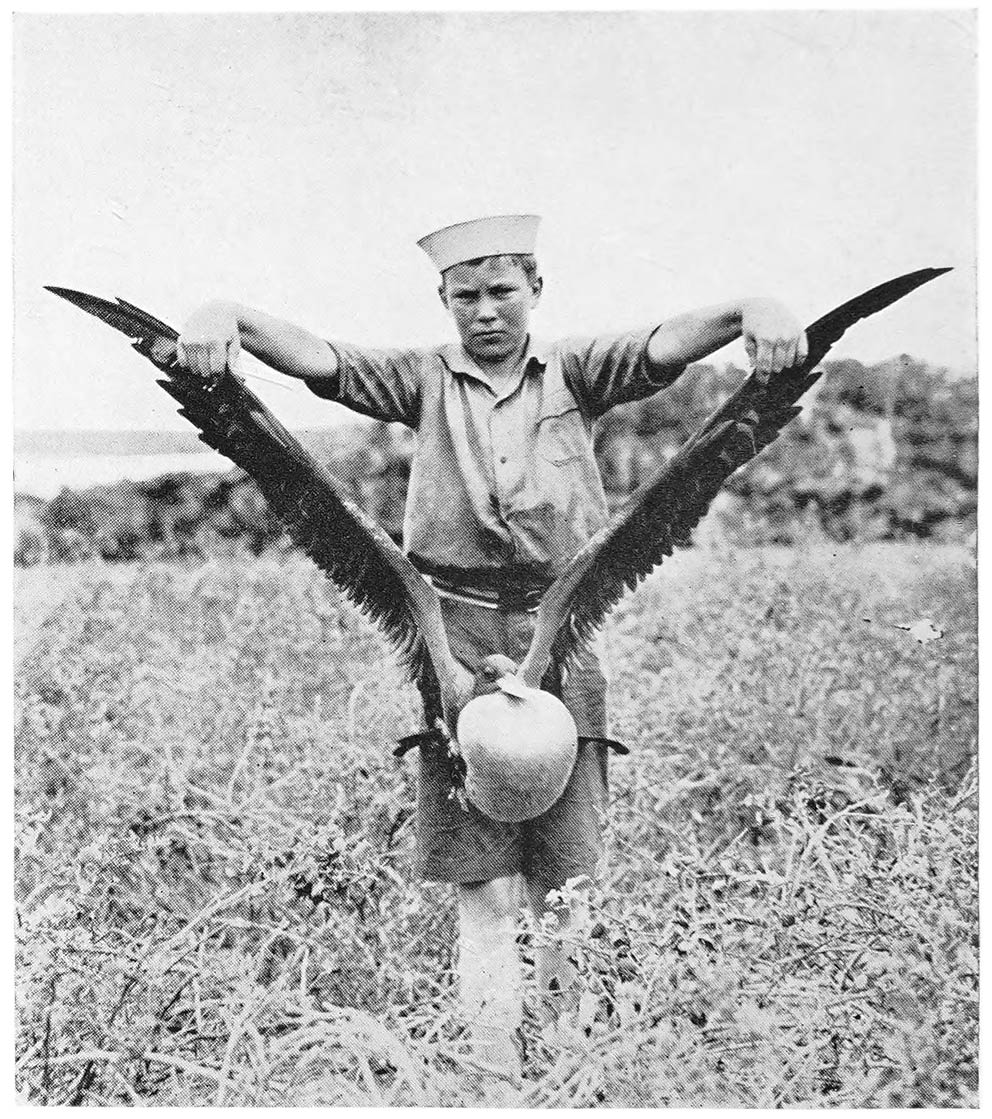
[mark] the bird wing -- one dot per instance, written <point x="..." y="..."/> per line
<point x="349" y="547"/>
<point x="661" y="514"/>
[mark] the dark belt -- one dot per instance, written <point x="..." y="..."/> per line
<point x="434" y="738"/>
<point x="511" y="599"/>
<point x="513" y="587"/>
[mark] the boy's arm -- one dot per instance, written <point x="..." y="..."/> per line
<point x="610" y="370"/>
<point x="215" y="334"/>
<point x="383" y="384"/>
<point x="772" y="335"/>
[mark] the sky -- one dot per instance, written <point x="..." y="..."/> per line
<point x="291" y="161"/>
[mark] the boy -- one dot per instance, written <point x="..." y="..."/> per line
<point x="504" y="490"/>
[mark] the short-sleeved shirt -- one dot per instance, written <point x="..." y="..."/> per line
<point x="502" y="474"/>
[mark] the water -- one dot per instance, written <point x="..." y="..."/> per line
<point x="44" y="475"/>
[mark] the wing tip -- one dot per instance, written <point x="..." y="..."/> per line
<point x="926" y="274"/>
<point x="66" y="293"/>
<point x="82" y="299"/>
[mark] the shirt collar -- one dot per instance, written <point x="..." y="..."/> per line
<point x="458" y="361"/>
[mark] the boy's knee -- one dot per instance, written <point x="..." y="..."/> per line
<point x="489" y="903"/>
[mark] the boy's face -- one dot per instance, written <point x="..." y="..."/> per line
<point x="491" y="304"/>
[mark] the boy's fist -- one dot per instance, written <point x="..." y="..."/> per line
<point x="772" y="336"/>
<point x="210" y="342"/>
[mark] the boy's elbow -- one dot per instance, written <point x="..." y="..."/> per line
<point x="326" y="363"/>
<point x="313" y="360"/>
<point x="666" y="348"/>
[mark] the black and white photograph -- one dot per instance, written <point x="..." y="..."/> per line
<point x="495" y="559"/>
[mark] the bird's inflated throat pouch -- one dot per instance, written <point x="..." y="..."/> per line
<point x="435" y="738"/>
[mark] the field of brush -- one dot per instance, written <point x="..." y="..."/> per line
<point x="214" y="845"/>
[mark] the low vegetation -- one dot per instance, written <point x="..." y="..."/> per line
<point x="214" y="845"/>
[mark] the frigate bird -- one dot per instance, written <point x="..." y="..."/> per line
<point x="376" y="575"/>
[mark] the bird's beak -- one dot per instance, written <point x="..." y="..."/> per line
<point x="513" y="685"/>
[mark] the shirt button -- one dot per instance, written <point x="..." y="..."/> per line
<point x="503" y="459"/>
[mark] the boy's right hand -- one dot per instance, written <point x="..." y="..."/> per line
<point x="210" y="342"/>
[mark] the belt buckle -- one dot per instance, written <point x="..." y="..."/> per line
<point x="523" y="602"/>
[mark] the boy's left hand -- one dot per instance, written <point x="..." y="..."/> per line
<point x="772" y="336"/>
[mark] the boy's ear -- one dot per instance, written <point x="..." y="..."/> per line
<point x="442" y="296"/>
<point x="536" y="288"/>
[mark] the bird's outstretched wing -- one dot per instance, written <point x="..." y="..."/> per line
<point x="661" y="514"/>
<point x="357" y="555"/>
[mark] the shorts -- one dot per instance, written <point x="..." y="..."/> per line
<point x="460" y="844"/>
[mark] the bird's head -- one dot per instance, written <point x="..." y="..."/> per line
<point x="489" y="673"/>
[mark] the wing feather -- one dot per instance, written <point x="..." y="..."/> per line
<point x="349" y="547"/>
<point x="663" y="512"/>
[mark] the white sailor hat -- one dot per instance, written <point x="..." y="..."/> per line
<point x="470" y="240"/>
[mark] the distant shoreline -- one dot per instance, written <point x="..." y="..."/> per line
<point x="30" y="444"/>
<point x="46" y="475"/>
<point x="126" y="443"/>
<point x="46" y="462"/>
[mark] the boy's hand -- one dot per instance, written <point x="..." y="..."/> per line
<point x="210" y="342"/>
<point x="772" y="336"/>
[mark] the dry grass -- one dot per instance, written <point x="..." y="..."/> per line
<point x="214" y="846"/>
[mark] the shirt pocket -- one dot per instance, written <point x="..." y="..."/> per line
<point x="561" y="430"/>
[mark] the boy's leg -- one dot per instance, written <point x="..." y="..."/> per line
<point x="488" y="968"/>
